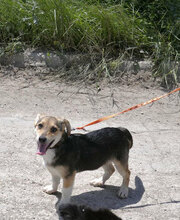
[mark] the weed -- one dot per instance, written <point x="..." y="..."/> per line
<point x="112" y="27"/>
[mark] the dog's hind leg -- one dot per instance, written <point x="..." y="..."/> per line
<point x="122" y="168"/>
<point x="108" y="171"/>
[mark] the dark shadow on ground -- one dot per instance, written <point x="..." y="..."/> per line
<point x="107" y="197"/>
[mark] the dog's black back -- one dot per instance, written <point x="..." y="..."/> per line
<point x="74" y="212"/>
<point x="79" y="150"/>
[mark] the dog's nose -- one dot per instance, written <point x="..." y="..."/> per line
<point x="42" y="139"/>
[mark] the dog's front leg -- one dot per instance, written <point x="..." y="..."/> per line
<point x="67" y="188"/>
<point x="54" y="186"/>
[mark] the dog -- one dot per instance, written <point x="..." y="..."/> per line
<point x="74" y="212"/>
<point x="66" y="154"/>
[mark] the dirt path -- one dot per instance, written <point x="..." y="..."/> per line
<point x="154" y="158"/>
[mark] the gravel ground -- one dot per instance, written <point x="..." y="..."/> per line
<point x="154" y="158"/>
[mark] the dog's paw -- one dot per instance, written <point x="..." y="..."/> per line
<point x="123" y="192"/>
<point x="49" y="189"/>
<point x="97" y="183"/>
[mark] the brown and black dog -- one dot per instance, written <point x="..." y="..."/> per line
<point x="66" y="154"/>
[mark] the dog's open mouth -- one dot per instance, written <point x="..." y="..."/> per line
<point x="42" y="148"/>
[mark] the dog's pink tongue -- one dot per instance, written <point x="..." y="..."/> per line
<point x="41" y="149"/>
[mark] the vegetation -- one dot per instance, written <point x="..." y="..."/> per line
<point x="135" y="28"/>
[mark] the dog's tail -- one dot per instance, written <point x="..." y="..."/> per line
<point x="129" y="137"/>
<point x="130" y="143"/>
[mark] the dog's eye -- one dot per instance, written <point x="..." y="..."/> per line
<point x="40" y="126"/>
<point x="53" y="130"/>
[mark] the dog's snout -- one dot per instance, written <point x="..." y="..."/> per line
<point x="42" y="139"/>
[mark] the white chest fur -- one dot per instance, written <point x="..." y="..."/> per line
<point x="49" y="157"/>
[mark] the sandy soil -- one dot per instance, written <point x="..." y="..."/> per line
<point x="154" y="159"/>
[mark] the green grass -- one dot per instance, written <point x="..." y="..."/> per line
<point x="112" y="26"/>
<point x="69" y="25"/>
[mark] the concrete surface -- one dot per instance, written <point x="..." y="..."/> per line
<point x="154" y="159"/>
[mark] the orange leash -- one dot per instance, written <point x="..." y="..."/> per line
<point x="129" y="109"/>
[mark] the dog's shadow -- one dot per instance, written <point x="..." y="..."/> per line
<point x="107" y="197"/>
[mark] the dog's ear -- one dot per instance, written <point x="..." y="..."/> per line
<point x="64" y="124"/>
<point x="69" y="212"/>
<point x="68" y="126"/>
<point x="38" y="117"/>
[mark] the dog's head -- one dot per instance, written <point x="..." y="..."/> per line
<point x="49" y="131"/>
<point x="71" y="212"/>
